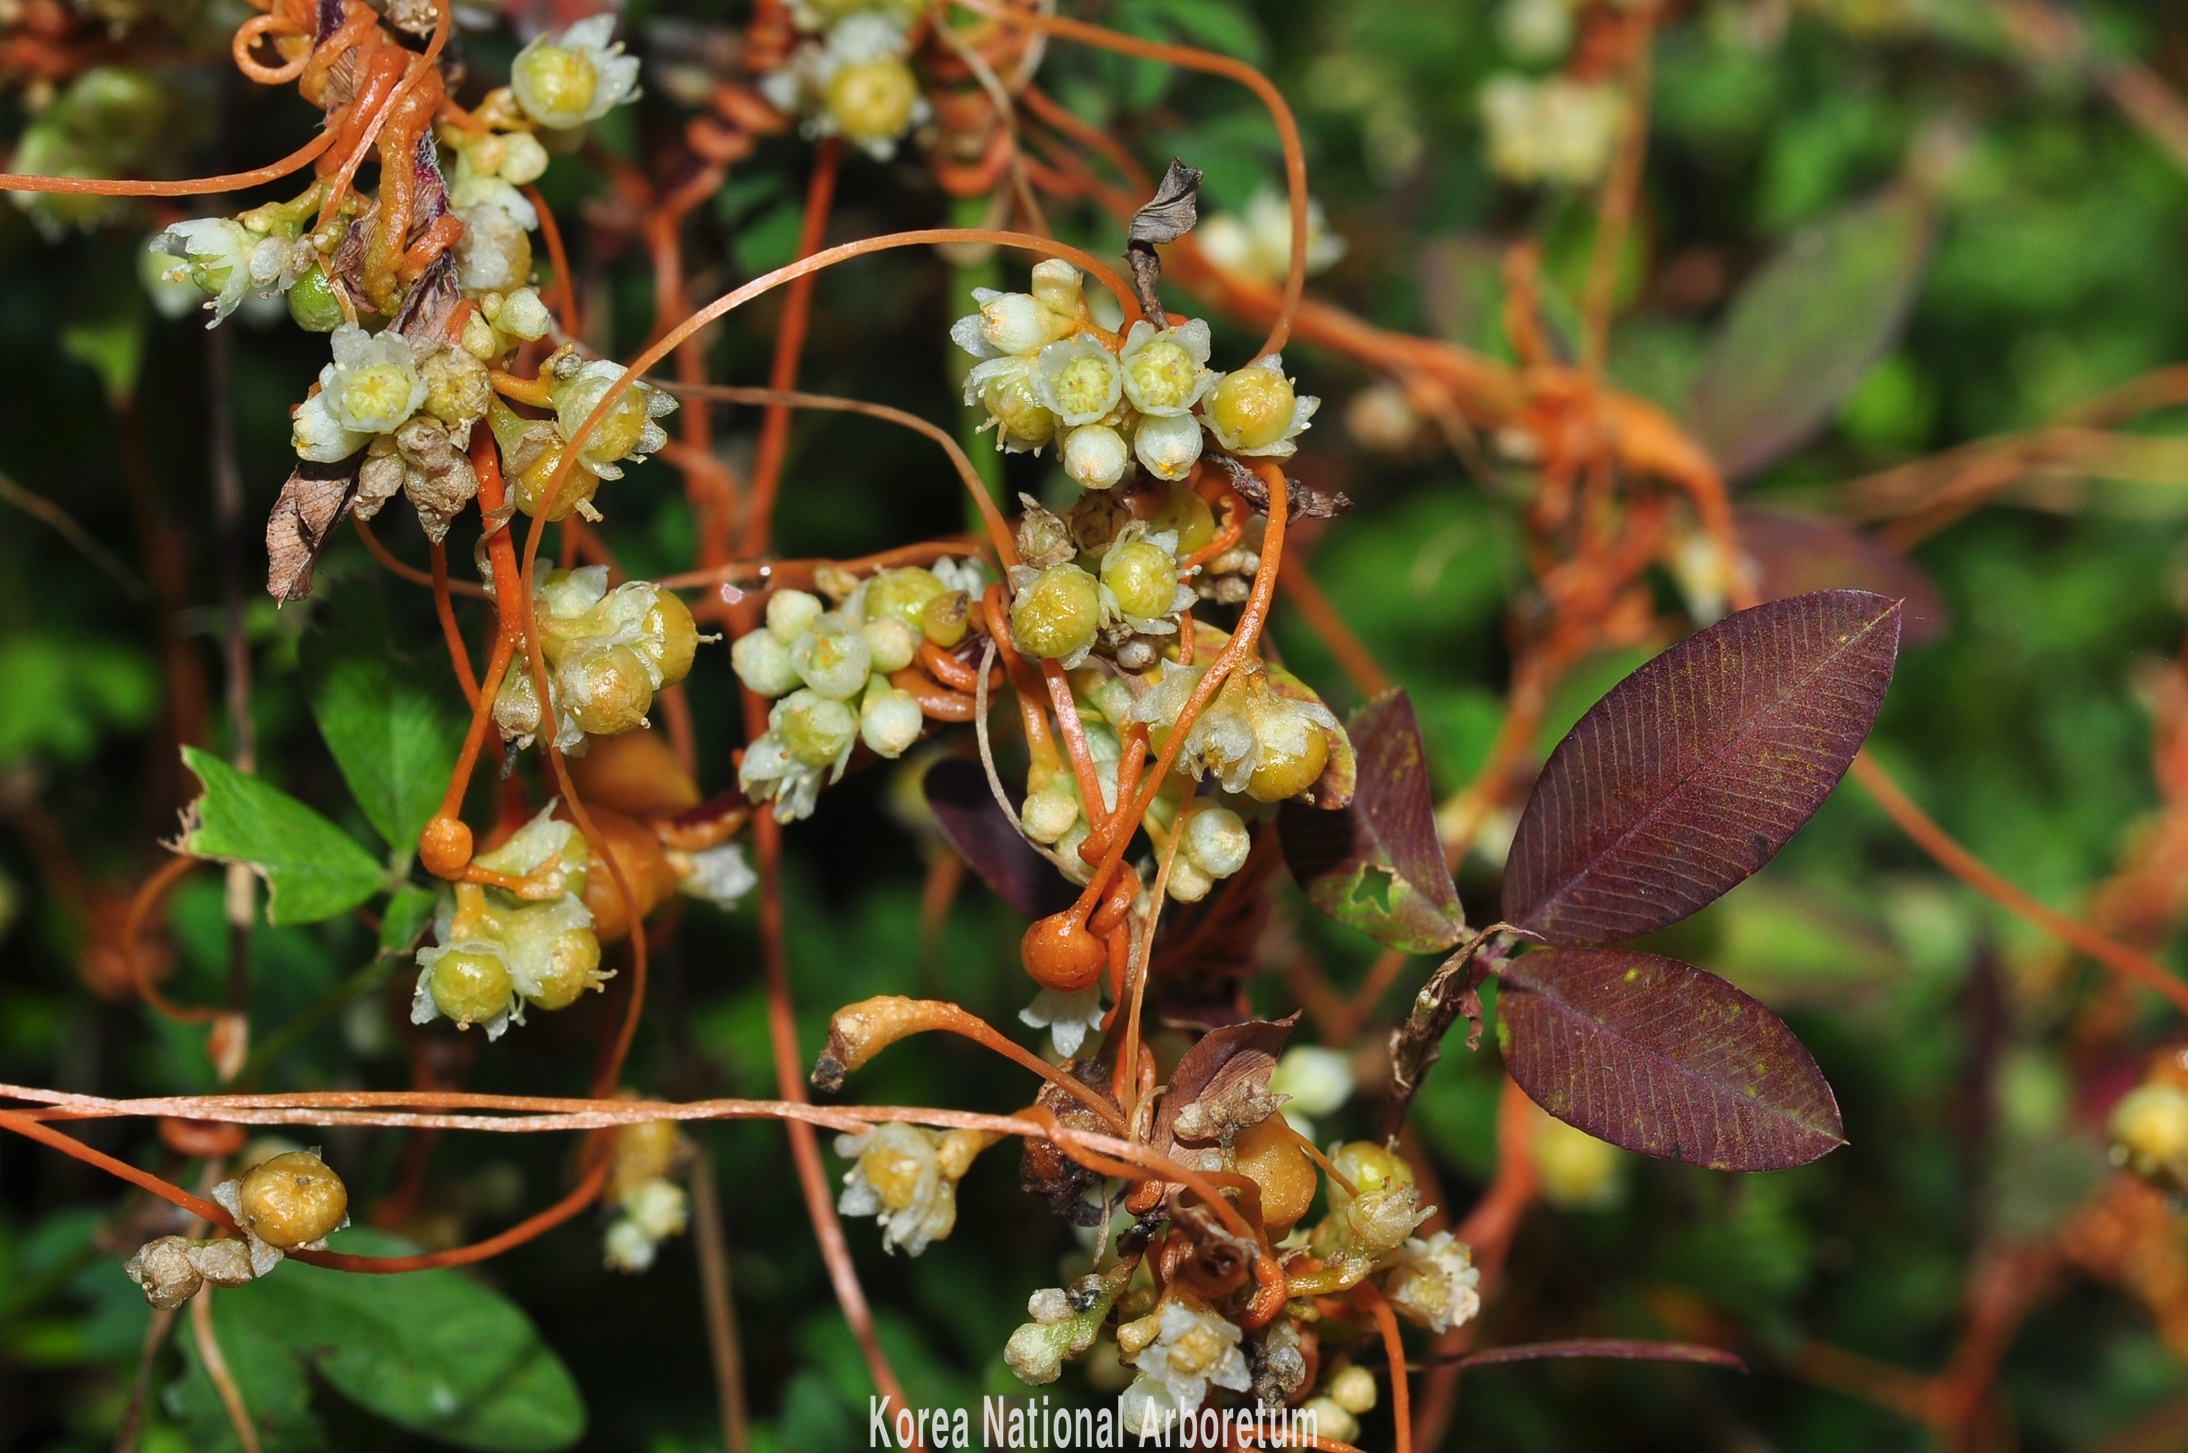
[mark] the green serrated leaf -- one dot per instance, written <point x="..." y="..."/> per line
<point x="432" y="1351"/>
<point x="394" y="744"/>
<point x="313" y="870"/>
<point x="408" y="912"/>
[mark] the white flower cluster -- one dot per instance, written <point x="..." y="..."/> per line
<point x="1557" y="130"/>
<point x="1047" y="374"/>
<point x="851" y="75"/>
<point x="907" y="1176"/>
<point x="1258" y="243"/>
<point x="1192" y="1349"/>
<point x="499" y="950"/>
<point x="231" y="262"/>
<point x="830" y="669"/>
<point x="1435" y="1282"/>
<point x="650" y="1207"/>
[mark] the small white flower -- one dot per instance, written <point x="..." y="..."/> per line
<point x="720" y="875"/>
<point x="1096" y="457"/>
<point x="1068" y="1018"/>
<point x="968" y="575"/>
<point x="1259" y="244"/>
<point x="907" y="1177"/>
<point x="1435" y="1282"/>
<point x="769" y="773"/>
<point x="1194" y="1348"/>
<point x="1166" y="370"/>
<point x="1078" y="380"/>
<point x="1168" y="447"/>
<point x="575" y="79"/>
<point x="216" y="257"/>
<point x="372" y="387"/>
<point x="277" y="262"/>
<point x="472" y="188"/>
<point x="629" y="1248"/>
<point x="494" y="254"/>
<point x="657" y="1207"/>
<point x="628" y="431"/>
<point x="1318" y="1080"/>
<point x="1007" y="323"/>
<point x="1557" y="130"/>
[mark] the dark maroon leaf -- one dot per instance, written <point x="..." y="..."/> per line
<point x="1376" y="865"/>
<point x="1693" y="771"/>
<point x="1796" y="554"/>
<point x="1618" y="1349"/>
<point x="1659" y="1057"/>
<point x="1218" y="1078"/>
<point x="1806" y="327"/>
<point x="974" y="824"/>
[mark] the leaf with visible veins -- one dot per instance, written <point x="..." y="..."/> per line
<point x="1659" y="1057"/>
<point x="1693" y="771"/>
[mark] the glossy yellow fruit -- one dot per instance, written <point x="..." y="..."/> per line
<point x="292" y="1199"/>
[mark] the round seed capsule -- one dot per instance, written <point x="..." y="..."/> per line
<point x="605" y="690"/>
<point x="1253" y="406"/>
<point x="1059" y="614"/>
<point x="670" y="636"/>
<point x="573" y="966"/>
<point x="1270" y="1155"/>
<point x="1279" y="774"/>
<point x="1188" y="514"/>
<point x="946" y="619"/>
<point x="313" y="304"/>
<point x="1143" y="578"/>
<point x="470" y="988"/>
<point x="291" y="1200"/>
<point x="555" y="84"/>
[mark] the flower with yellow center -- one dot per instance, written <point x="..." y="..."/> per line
<point x="1193" y="1347"/>
<point x="372" y="387"/>
<point x="872" y="102"/>
<point x="907" y="1177"/>
<point x="576" y="78"/>
<point x="1435" y="1282"/>
<point x="1166" y="370"/>
<point x="1078" y="380"/>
